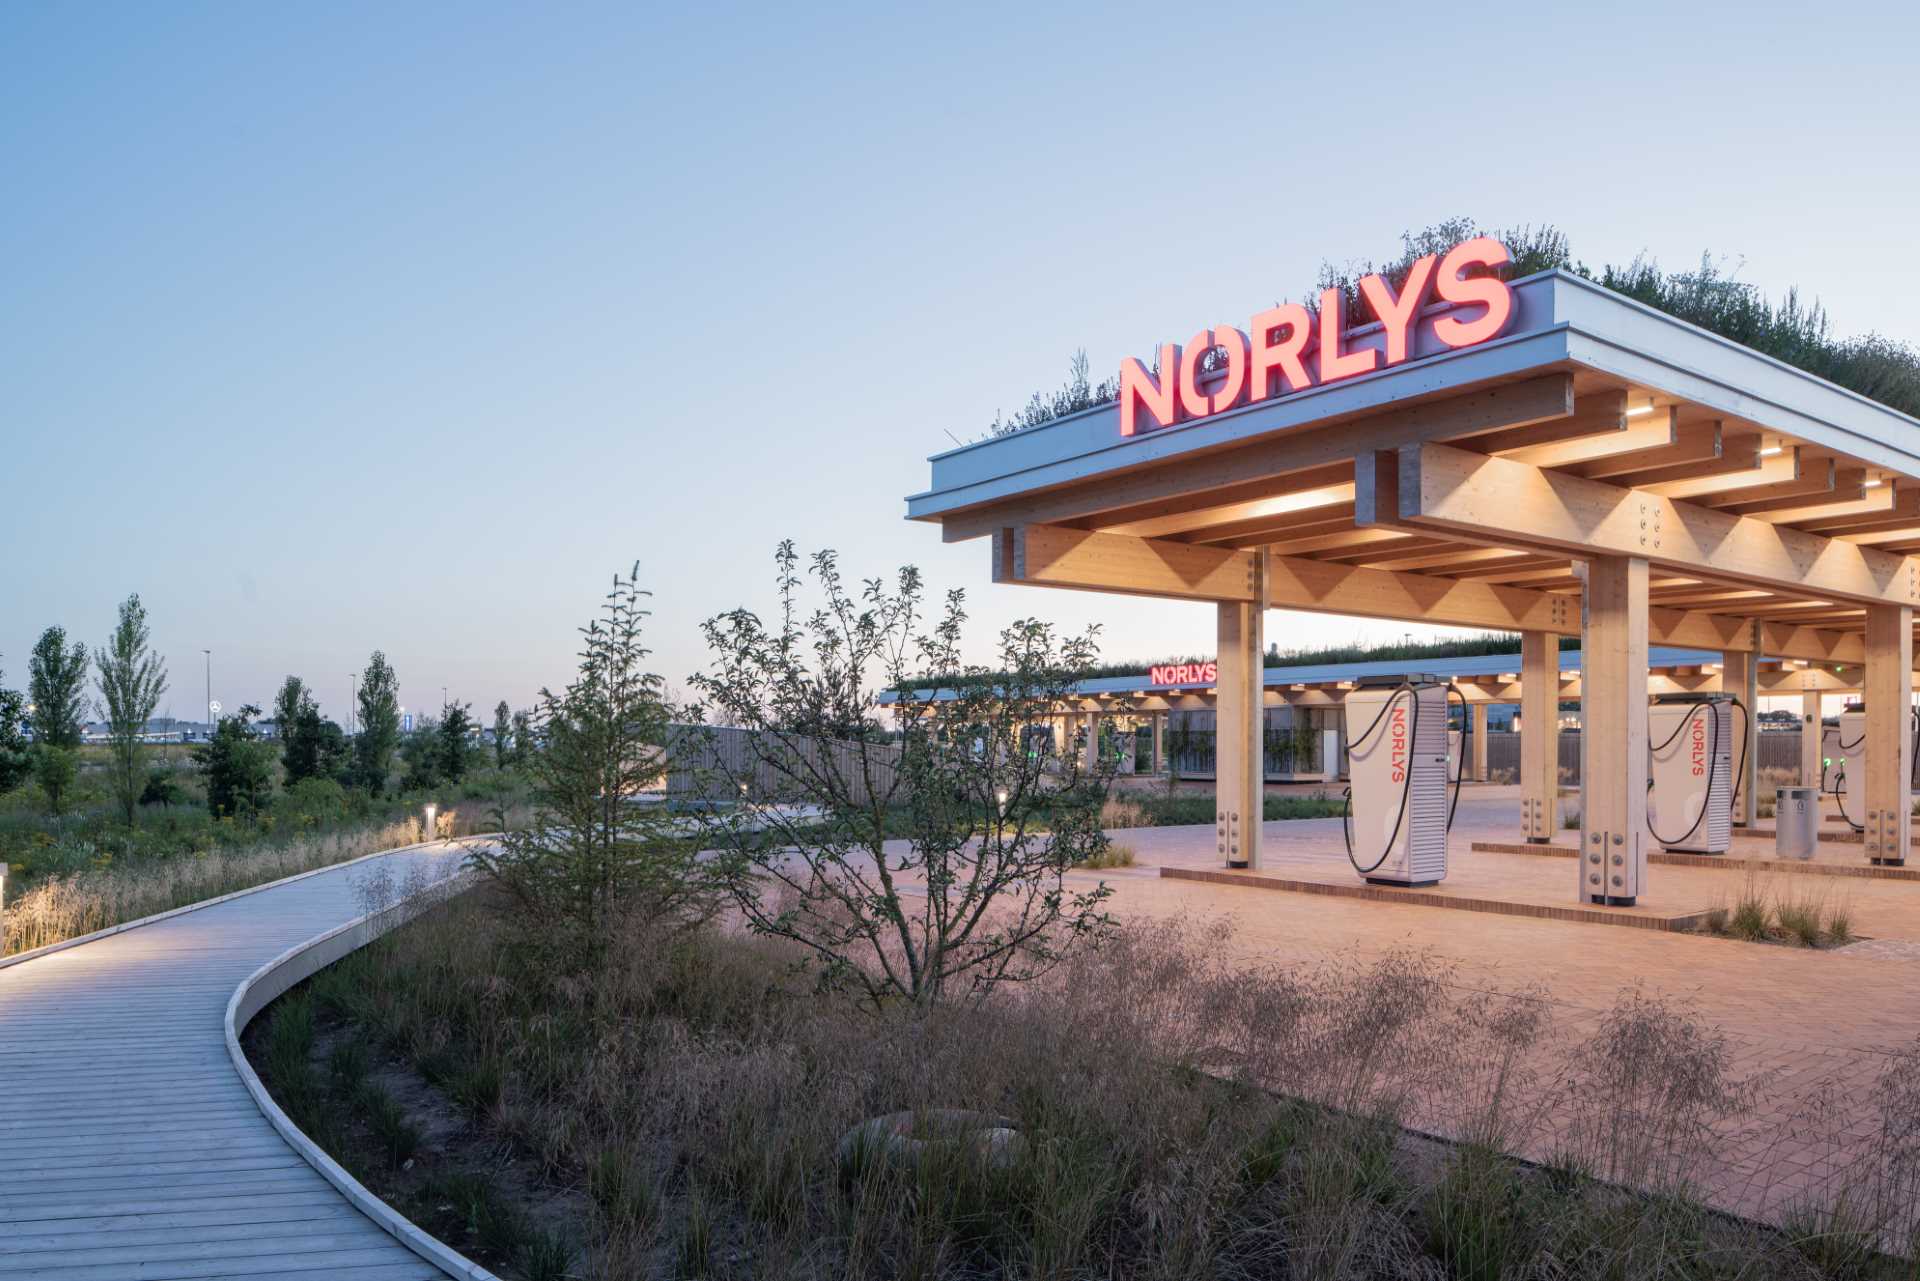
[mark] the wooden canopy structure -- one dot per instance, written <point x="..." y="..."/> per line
<point x="1601" y="470"/>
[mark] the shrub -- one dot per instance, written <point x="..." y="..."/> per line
<point x="813" y="852"/>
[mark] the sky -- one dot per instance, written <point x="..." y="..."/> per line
<point x="338" y="327"/>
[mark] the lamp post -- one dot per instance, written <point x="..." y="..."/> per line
<point x="431" y="812"/>
<point x="209" y="654"/>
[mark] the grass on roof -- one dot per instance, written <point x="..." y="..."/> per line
<point x="1710" y="296"/>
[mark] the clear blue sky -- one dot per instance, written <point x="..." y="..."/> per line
<point x="338" y="326"/>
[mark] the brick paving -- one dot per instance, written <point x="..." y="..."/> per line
<point x="1813" y="1029"/>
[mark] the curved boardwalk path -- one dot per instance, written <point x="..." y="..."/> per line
<point x="129" y="1147"/>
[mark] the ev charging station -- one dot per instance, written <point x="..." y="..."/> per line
<point x="1399" y="757"/>
<point x="1843" y="761"/>
<point x="1690" y="739"/>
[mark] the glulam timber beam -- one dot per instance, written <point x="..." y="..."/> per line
<point x="1768" y="472"/>
<point x="1693" y="444"/>
<point x="1494" y="500"/>
<point x="1091" y="560"/>
<point x="1601" y="416"/>
<point x="1624" y="435"/>
<point x="1165" y="487"/>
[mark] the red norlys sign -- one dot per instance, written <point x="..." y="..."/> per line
<point x="1183" y="674"/>
<point x="1291" y="349"/>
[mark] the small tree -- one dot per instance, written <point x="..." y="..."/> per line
<point x="523" y="734"/>
<point x="55" y="769"/>
<point x="57" y="688"/>
<point x="593" y="853"/>
<point x="162" y="790"/>
<point x="502" y="733"/>
<point x="131" y="680"/>
<point x="379" y="725"/>
<point x="237" y="765"/>
<point x="454" y="742"/>
<point x="912" y="865"/>
<point x="293" y="713"/>
<point x="16" y="761"/>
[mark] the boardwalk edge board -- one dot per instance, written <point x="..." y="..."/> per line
<point x="291" y="967"/>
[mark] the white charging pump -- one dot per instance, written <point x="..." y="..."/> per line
<point x="1843" y="761"/>
<point x="1398" y="808"/>
<point x="1690" y="771"/>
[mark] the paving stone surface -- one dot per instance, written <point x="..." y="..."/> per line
<point x="1814" y="1031"/>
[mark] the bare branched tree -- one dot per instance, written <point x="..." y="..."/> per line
<point x="918" y="863"/>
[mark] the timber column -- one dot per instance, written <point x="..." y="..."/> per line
<point x="1888" y="694"/>
<point x="1740" y="677"/>
<point x="1159" y="742"/>
<point x="1539" y="735"/>
<point x="1479" y="732"/>
<point x="1811" y="729"/>
<point x="1613" y="730"/>
<point x="1239" y="765"/>
<point x="1091" y="761"/>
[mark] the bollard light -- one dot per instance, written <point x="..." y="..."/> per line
<point x="1001" y="796"/>
<point x="432" y="811"/>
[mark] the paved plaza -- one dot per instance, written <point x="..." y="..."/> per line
<point x="1815" y="1028"/>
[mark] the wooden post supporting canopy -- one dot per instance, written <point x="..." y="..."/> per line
<point x="1810" y="732"/>
<point x="1613" y="730"/>
<point x="1239" y="783"/>
<point x="1740" y="676"/>
<point x="1091" y="761"/>
<point x="1479" y="732"/>
<point x="1539" y="735"/>
<point x="1889" y="706"/>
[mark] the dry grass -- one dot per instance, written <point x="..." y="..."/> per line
<point x="1181" y="1113"/>
<point x="70" y="906"/>
<point x="1122" y="811"/>
<point x="1795" y="910"/>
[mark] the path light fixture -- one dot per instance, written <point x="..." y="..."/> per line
<point x="1001" y="797"/>
<point x="432" y="816"/>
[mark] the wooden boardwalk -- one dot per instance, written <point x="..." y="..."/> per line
<point x="129" y="1147"/>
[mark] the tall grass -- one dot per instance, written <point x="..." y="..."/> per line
<point x="1180" y="1112"/>
<point x="68" y="906"/>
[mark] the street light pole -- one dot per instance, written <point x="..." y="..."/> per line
<point x="353" y="699"/>
<point x="209" y="654"/>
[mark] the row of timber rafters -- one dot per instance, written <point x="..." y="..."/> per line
<point x="1480" y="509"/>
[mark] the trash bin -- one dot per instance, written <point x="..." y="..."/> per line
<point x="1796" y="821"/>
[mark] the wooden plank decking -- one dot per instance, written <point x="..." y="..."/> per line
<point x="129" y="1147"/>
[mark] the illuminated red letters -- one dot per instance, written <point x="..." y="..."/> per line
<point x="1272" y="358"/>
<point x="1183" y="674"/>
<point x="1397" y="744"/>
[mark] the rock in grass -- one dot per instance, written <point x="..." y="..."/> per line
<point x="905" y="1139"/>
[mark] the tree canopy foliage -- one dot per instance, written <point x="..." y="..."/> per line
<point x="131" y="679"/>
<point x="238" y="767"/>
<point x="379" y="699"/>
<point x="57" y="688"/>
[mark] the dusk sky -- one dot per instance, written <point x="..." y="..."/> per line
<point x="336" y="327"/>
